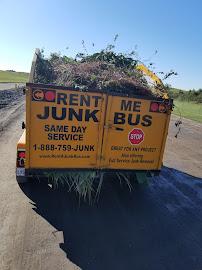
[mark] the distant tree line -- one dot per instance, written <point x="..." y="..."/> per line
<point x="191" y="95"/>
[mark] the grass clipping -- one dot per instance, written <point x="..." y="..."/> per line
<point x="81" y="182"/>
<point x="87" y="184"/>
<point x="105" y="71"/>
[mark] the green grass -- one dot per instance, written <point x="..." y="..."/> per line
<point x="13" y="77"/>
<point x="188" y="110"/>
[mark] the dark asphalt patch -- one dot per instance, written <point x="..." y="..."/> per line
<point x="8" y="97"/>
<point x="154" y="227"/>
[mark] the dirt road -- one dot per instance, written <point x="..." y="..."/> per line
<point x="185" y="152"/>
<point x="155" y="227"/>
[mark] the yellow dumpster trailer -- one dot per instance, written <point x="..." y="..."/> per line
<point x="67" y="129"/>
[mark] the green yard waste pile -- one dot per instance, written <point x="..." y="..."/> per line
<point x="105" y="71"/>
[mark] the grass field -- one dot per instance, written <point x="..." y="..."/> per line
<point x="13" y="77"/>
<point x="188" y="110"/>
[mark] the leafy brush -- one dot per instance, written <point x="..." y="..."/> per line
<point x="81" y="182"/>
<point x="105" y="70"/>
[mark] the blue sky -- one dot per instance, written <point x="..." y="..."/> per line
<point x="174" y="28"/>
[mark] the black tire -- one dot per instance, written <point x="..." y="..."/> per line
<point x="22" y="179"/>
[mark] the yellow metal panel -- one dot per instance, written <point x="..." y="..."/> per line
<point x="124" y="115"/>
<point x="148" y="72"/>
<point x="164" y="141"/>
<point x="28" y="111"/>
<point x="66" y="128"/>
<point x="72" y="129"/>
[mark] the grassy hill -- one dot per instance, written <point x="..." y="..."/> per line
<point x="13" y="77"/>
<point x="190" y="110"/>
<point x="187" y="103"/>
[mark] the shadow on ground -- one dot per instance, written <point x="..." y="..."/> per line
<point x="153" y="227"/>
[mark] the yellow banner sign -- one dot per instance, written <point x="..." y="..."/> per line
<point x="72" y="129"/>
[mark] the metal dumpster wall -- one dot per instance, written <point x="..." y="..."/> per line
<point x="63" y="128"/>
<point x="73" y="129"/>
<point x="134" y="136"/>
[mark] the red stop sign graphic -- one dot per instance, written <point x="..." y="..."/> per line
<point x="136" y="136"/>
